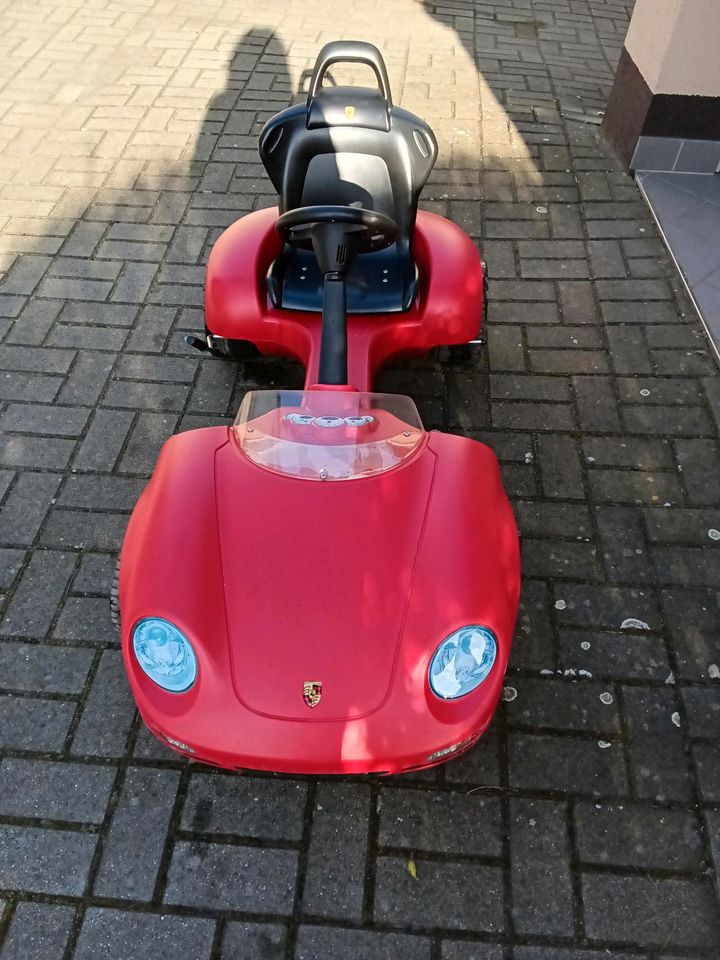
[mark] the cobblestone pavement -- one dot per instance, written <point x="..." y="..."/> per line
<point x="586" y="825"/>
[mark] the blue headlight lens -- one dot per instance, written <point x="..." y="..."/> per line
<point x="461" y="662"/>
<point x="164" y="654"/>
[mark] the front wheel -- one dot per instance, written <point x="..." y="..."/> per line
<point x="115" y="596"/>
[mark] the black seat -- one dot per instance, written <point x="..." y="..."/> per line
<point x="349" y="146"/>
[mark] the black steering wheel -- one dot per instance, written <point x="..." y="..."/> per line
<point x="370" y="230"/>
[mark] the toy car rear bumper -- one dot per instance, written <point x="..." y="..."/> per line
<point x="448" y="308"/>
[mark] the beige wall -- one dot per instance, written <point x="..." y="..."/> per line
<point x="676" y="45"/>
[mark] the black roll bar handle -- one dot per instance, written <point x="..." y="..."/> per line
<point x="350" y="51"/>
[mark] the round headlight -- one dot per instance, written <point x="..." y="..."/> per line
<point x="164" y="654"/>
<point x="461" y="662"/>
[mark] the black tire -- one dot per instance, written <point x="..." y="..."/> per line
<point x="459" y="354"/>
<point x="242" y="350"/>
<point x="115" y="596"/>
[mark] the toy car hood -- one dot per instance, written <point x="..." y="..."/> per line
<point x="291" y="580"/>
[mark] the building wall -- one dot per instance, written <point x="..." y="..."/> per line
<point x="676" y="45"/>
<point x="668" y="80"/>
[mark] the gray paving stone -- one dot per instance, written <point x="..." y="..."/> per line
<point x="464" y="950"/>
<point x="86" y="530"/>
<point x="633" y="835"/>
<point x="95" y="573"/>
<point x="6" y="478"/>
<point x="450" y="896"/>
<point x="693" y="566"/>
<point x="693" y="622"/>
<point x="702" y="707"/>
<point x="40" y="589"/>
<point x="560" y="560"/>
<point x="108" y="711"/>
<point x="41" y="419"/>
<point x="264" y="941"/>
<point x="91" y="338"/>
<point x="25" y="274"/>
<point x="597" y="407"/>
<point x="83" y="239"/>
<point x="626" y="486"/>
<point x="681" y="525"/>
<point x="42" y="668"/>
<point x="571" y="953"/>
<point x="700" y="462"/>
<point x="602" y="606"/>
<point x="142" y="936"/>
<point x="238" y="805"/>
<point x="50" y="453"/>
<point x="213" y="389"/>
<point x="35" y="359"/>
<point x="134" y="282"/>
<point x="532" y="416"/>
<point x="563" y="705"/>
<point x="560" y="467"/>
<point x="29" y="723"/>
<point x="577" y="302"/>
<point x="615" y="655"/>
<point x="444" y="822"/>
<point x="151" y="331"/>
<point x="676" y="913"/>
<point x="101" y="492"/>
<point x="11" y="562"/>
<point x="87" y="378"/>
<point x="533" y="642"/>
<point x="135" y="841"/>
<point x="86" y="618"/>
<point x="148" y="747"/>
<point x="104" y="440"/>
<point x="33" y="324"/>
<point x="147" y="436"/>
<point x="643" y="453"/>
<point x="712" y="819"/>
<point x="223" y="877"/>
<point x="480" y="765"/>
<point x="567" y="764"/>
<point x="656" y="744"/>
<point x="628" y="350"/>
<point x="336" y="863"/>
<point x="174" y="369"/>
<point x="542" y="896"/>
<point x="52" y="790"/>
<point x="45" y="861"/>
<point x="103" y="314"/>
<point x="38" y="931"/>
<point x="707" y="765"/>
<point x="27" y="505"/>
<point x="139" y="395"/>
<point x="315" y="943"/>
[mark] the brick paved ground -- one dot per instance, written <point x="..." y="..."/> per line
<point x="586" y="825"/>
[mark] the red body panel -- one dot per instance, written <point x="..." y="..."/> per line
<point x="277" y="581"/>
<point x="447" y="309"/>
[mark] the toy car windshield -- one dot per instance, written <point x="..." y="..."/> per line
<point x="327" y="435"/>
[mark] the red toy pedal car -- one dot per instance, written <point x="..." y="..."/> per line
<point x="324" y="587"/>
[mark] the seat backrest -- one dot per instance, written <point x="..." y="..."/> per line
<point x="350" y="145"/>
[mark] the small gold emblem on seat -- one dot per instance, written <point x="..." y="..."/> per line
<point x="349" y="112"/>
<point x="312" y="691"/>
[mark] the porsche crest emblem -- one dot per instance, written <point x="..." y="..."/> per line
<point x="312" y="691"/>
<point x="349" y="112"/>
